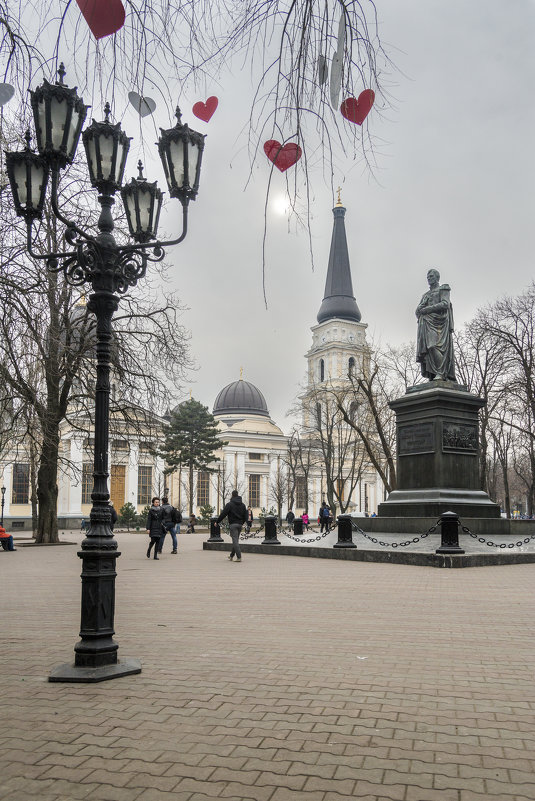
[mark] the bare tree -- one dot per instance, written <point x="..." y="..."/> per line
<point x="278" y="487"/>
<point x="334" y="443"/>
<point x="47" y="352"/>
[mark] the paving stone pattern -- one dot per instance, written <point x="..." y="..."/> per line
<point x="277" y="679"/>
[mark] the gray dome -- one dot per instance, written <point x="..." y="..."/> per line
<point x="241" y="397"/>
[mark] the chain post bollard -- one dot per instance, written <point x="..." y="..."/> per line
<point x="270" y="528"/>
<point x="215" y="531"/>
<point x="449" y="531"/>
<point x="298" y="526"/>
<point x="345" y="532"/>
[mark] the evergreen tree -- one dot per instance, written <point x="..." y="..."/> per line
<point x="191" y="440"/>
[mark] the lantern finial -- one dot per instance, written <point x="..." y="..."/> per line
<point x="61" y="73"/>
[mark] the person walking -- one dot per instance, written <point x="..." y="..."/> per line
<point x="154" y="527"/>
<point x="191" y="525"/>
<point x="305" y="520"/>
<point x="114" y="516"/>
<point x="325" y="515"/>
<point x="249" y="520"/>
<point x="290" y="517"/>
<point x="237" y="515"/>
<point x="168" y="521"/>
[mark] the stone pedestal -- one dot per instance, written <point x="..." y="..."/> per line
<point x="437" y="454"/>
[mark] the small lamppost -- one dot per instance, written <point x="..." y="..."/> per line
<point x="110" y="269"/>
<point x="3" y="491"/>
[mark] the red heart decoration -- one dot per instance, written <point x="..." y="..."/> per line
<point x="357" y="110"/>
<point x="104" y="17"/>
<point x="205" y="111"/>
<point x="282" y="156"/>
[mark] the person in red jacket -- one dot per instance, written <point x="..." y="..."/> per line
<point x="6" y="540"/>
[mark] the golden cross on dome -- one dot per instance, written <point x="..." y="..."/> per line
<point x="339" y="201"/>
<point x="190" y="393"/>
<point x="241" y="373"/>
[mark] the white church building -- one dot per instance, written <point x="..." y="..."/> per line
<point x="256" y="457"/>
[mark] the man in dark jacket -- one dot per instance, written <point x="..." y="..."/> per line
<point x="168" y="515"/>
<point x="237" y="515"/>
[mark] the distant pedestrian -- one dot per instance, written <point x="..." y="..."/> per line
<point x="114" y="517"/>
<point x="237" y="515"/>
<point x="325" y="517"/>
<point x="154" y="527"/>
<point x="249" y="520"/>
<point x="305" y="519"/>
<point x="6" y="540"/>
<point x="290" y="517"/>
<point x="168" y="519"/>
<point x="192" y="522"/>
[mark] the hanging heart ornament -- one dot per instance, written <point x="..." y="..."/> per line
<point x="357" y="110"/>
<point x="205" y="111"/>
<point x="282" y="156"/>
<point x="104" y="17"/>
<point x="143" y="105"/>
<point x="6" y="93"/>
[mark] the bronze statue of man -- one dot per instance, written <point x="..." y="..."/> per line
<point x="434" y="341"/>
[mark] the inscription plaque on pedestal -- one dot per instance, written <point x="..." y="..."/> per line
<point x="416" y="438"/>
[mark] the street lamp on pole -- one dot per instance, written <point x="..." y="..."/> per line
<point x="110" y="270"/>
<point x="3" y="491"/>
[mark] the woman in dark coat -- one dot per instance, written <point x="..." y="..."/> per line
<point x="154" y="526"/>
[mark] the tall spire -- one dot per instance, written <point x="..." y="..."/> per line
<point x="339" y="301"/>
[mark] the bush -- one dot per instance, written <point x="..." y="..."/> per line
<point x="205" y="513"/>
<point x="127" y="515"/>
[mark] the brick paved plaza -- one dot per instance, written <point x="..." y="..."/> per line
<point x="279" y="679"/>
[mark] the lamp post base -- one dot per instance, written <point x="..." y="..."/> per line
<point x="72" y="673"/>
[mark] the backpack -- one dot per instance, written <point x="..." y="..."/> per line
<point x="326" y="512"/>
<point x="176" y="517"/>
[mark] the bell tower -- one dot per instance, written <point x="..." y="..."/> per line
<point x="339" y="339"/>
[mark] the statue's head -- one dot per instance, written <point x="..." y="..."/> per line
<point x="433" y="275"/>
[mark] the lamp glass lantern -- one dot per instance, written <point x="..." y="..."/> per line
<point x="59" y="115"/>
<point x="106" y="147"/>
<point x="28" y="177"/>
<point x="142" y="202"/>
<point x="181" y="150"/>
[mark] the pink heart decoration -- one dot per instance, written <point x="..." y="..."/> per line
<point x="205" y="111"/>
<point x="143" y="105"/>
<point x="282" y="156"/>
<point x="104" y="17"/>
<point x="357" y="110"/>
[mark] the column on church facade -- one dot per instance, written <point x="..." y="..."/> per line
<point x="132" y="478"/>
<point x="239" y="470"/>
<point x="7" y="482"/>
<point x="73" y="505"/>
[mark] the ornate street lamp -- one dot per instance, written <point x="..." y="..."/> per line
<point x="110" y="270"/>
<point x="3" y="490"/>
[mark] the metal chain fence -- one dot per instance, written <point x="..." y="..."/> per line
<point x="491" y="544"/>
<point x="403" y="544"/>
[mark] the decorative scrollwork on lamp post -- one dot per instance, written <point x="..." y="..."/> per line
<point x="111" y="270"/>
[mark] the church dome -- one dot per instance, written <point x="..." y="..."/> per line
<point x="241" y="397"/>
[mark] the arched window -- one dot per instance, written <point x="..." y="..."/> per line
<point x="351" y="366"/>
<point x="318" y="414"/>
<point x="322" y="370"/>
<point x="353" y="411"/>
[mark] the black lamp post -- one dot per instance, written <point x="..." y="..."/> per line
<point x="110" y="270"/>
<point x="3" y="490"/>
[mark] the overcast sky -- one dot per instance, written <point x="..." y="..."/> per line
<point x="454" y="188"/>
